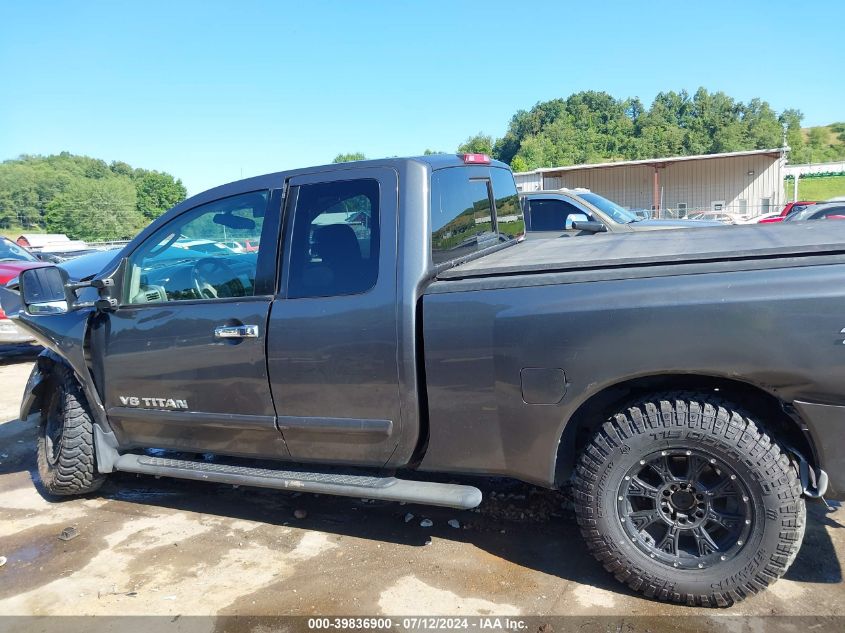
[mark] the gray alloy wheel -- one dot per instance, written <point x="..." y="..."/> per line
<point x="684" y="499"/>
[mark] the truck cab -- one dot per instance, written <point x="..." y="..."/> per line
<point x="305" y="349"/>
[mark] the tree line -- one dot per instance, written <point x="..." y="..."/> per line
<point x="85" y="198"/>
<point x="595" y="127"/>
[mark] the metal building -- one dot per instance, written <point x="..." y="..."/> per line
<point x="741" y="183"/>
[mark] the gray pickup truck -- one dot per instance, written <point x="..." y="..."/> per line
<point x="689" y="385"/>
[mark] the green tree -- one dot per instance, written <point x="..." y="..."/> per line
<point x="157" y="192"/>
<point x="121" y="169"/>
<point x="592" y="126"/>
<point x="29" y="184"/>
<point x="478" y="144"/>
<point x="763" y="128"/>
<point x="791" y="120"/>
<point x="348" y="158"/>
<point x="96" y="209"/>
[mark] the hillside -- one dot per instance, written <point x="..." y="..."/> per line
<point x="822" y="144"/>
<point x="84" y="197"/>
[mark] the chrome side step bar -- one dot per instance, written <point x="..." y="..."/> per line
<point x="345" y="485"/>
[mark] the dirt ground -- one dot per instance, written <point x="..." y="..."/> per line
<point x="176" y="548"/>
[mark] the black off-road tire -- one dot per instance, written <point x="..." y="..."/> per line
<point x="66" y="461"/>
<point x="678" y="424"/>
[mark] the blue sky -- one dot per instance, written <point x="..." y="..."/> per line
<point x="210" y="91"/>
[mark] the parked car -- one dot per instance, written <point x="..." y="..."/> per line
<point x="570" y="212"/>
<point x="441" y="344"/>
<point x="821" y="211"/>
<point x="789" y="209"/>
<point x="58" y="256"/>
<point x="715" y="216"/>
<point x="643" y="214"/>
<point x="13" y="260"/>
<point x="762" y="219"/>
<point x="206" y="246"/>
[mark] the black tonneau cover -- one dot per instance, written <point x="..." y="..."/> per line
<point x="654" y="248"/>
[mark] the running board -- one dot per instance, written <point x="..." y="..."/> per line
<point x="344" y="485"/>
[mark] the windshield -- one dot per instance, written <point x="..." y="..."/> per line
<point x="10" y="252"/>
<point x="801" y="215"/>
<point x="798" y="208"/>
<point x="617" y="213"/>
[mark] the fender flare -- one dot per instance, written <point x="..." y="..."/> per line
<point x="34" y="396"/>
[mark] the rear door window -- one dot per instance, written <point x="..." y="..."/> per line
<point x="335" y="241"/>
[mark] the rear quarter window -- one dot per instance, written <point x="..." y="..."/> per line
<point x="472" y="208"/>
<point x="461" y="214"/>
<point x="509" y="220"/>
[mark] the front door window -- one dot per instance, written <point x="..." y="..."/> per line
<point x="210" y="252"/>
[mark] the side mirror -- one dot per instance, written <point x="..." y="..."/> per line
<point x="43" y="291"/>
<point x="590" y="226"/>
<point x="572" y="218"/>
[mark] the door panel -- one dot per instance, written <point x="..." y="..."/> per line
<point x="333" y="359"/>
<point x="183" y="357"/>
<point x="215" y="391"/>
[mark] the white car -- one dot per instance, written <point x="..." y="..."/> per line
<point x="202" y="246"/>
<point x="716" y="216"/>
<point x="759" y="218"/>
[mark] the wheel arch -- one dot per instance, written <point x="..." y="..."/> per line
<point x="777" y="418"/>
<point x="38" y="385"/>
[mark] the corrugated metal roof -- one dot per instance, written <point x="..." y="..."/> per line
<point x="774" y="152"/>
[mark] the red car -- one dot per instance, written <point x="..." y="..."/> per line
<point x="789" y="209"/>
<point x="13" y="260"/>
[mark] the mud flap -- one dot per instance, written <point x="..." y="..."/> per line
<point x="105" y="450"/>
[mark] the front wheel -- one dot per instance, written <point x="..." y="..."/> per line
<point x="685" y="500"/>
<point x="66" y="460"/>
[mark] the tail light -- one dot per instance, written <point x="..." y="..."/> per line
<point x="476" y="159"/>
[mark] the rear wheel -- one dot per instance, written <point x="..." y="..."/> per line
<point x="66" y="461"/>
<point x="685" y="500"/>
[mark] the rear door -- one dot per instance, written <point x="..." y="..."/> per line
<point x="181" y="362"/>
<point x="332" y="348"/>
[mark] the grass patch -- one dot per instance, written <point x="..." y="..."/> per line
<point x="14" y="232"/>
<point x="816" y="188"/>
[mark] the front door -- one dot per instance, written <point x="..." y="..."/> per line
<point x="332" y="351"/>
<point x="552" y="214"/>
<point x="183" y="357"/>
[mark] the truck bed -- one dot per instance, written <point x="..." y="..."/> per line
<point x="659" y="248"/>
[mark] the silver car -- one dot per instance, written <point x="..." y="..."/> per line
<point x="567" y="212"/>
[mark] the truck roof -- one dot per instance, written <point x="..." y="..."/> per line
<point x="619" y="250"/>
<point x="275" y="179"/>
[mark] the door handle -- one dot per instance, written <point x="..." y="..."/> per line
<point x="236" y="331"/>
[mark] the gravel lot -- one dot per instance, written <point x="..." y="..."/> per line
<point x="176" y="548"/>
